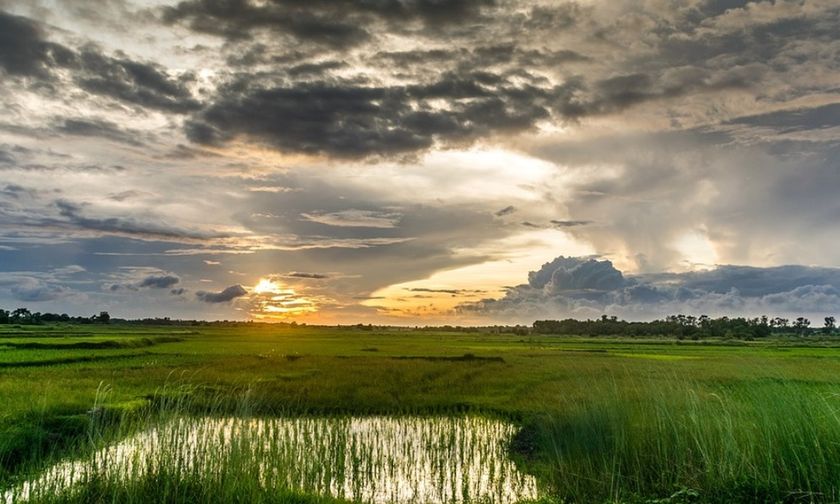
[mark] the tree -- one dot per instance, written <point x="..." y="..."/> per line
<point x="830" y="325"/>
<point x="104" y="317"/>
<point x="21" y="315"/>
<point x="801" y="325"/>
<point x="4" y="317"/>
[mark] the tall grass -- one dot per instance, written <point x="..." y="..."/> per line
<point x="631" y="438"/>
<point x="175" y="457"/>
<point x="679" y="440"/>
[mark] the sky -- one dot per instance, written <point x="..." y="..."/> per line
<point x="420" y="161"/>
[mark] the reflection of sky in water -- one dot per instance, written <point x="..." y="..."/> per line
<point x="371" y="459"/>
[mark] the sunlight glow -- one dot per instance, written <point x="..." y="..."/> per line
<point x="273" y="301"/>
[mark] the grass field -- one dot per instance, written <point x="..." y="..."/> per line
<point x="601" y="420"/>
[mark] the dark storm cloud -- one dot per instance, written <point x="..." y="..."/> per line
<point x="98" y="128"/>
<point x="23" y="50"/>
<point x="227" y="295"/>
<point x="483" y="56"/>
<point x="344" y="119"/>
<point x="144" y="84"/>
<point x="578" y="98"/>
<point x="138" y="279"/>
<point x="316" y="69"/>
<point x="744" y="34"/>
<point x="159" y="281"/>
<point x="585" y="287"/>
<point x="348" y="119"/>
<point x="336" y="24"/>
<point x="236" y="19"/>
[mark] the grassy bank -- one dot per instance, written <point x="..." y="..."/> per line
<point x="604" y="420"/>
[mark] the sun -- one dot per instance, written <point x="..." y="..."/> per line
<point x="274" y="301"/>
<point x="266" y="286"/>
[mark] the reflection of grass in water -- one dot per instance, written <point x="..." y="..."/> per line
<point x="367" y="459"/>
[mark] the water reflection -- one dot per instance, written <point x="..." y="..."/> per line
<point x="368" y="459"/>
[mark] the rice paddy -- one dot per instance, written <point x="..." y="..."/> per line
<point x="273" y="414"/>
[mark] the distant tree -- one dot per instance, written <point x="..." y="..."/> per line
<point x="104" y="317"/>
<point x="21" y="315"/>
<point x="830" y="325"/>
<point x="4" y="316"/>
<point x="801" y="325"/>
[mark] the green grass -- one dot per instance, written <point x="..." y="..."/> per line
<point x="604" y="420"/>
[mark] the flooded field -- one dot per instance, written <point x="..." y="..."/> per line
<point x="367" y="459"/>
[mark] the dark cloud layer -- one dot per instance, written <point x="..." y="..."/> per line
<point x="335" y="24"/>
<point x="159" y="281"/>
<point x="97" y="128"/>
<point x="24" y="52"/>
<point x="224" y="296"/>
<point x="587" y="287"/>
<point x="144" y="84"/>
<point x="345" y="119"/>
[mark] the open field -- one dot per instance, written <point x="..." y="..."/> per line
<point x="601" y="420"/>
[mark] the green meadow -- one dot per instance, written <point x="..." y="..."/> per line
<point x="596" y="419"/>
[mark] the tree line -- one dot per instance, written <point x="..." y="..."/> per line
<point x="23" y="316"/>
<point x="686" y="326"/>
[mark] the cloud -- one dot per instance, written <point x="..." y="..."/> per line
<point x="6" y="158"/>
<point x="33" y="290"/>
<point x="300" y="274"/>
<point x="347" y="119"/>
<point x="159" y="281"/>
<point x="453" y="292"/>
<point x="144" y="229"/>
<point x="355" y="218"/>
<point x="144" y="84"/>
<point x="226" y="295"/>
<point x="98" y="128"/>
<point x="570" y="223"/>
<point x="587" y="287"/>
<point x="570" y="273"/>
<point x="505" y="211"/>
<point x="23" y="50"/>
<point x="320" y="22"/>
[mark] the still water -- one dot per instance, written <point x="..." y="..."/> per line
<point x="368" y="459"/>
